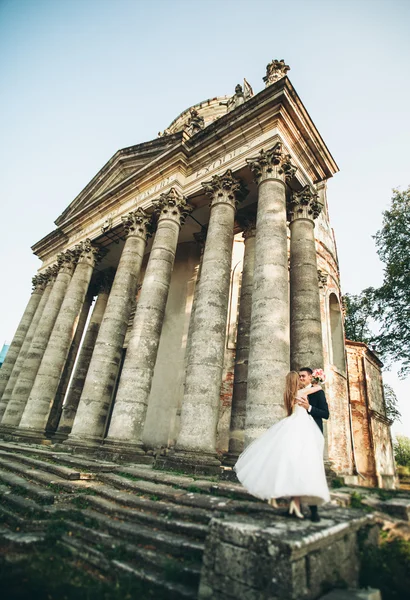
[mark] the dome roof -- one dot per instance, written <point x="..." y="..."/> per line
<point x="209" y="109"/>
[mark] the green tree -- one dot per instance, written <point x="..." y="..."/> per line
<point x="392" y="300"/>
<point x="392" y="412"/>
<point x="402" y="450"/>
<point x="359" y="310"/>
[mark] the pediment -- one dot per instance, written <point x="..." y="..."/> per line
<point x="121" y="167"/>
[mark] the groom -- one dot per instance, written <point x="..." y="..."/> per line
<point x="317" y="407"/>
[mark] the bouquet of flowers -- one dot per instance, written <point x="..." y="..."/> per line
<point x="318" y="376"/>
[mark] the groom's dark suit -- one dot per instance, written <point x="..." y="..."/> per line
<point x="320" y="409"/>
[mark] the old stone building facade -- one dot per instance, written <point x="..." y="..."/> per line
<point x="179" y="288"/>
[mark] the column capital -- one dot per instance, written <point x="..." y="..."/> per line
<point x="225" y="189"/>
<point x="67" y="260"/>
<point x="272" y="164"/>
<point x="88" y="252"/>
<point x="172" y="206"/>
<point x="39" y="282"/>
<point x="138" y="223"/>
<point x="275" y="70"/>
<point x="51" y="273"/>
<point x="304" y="204"/>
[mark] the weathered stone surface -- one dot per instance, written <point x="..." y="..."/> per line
<point x="25" y="381"/>
<point x="351" y="594"/>
<point x="57" y="405"/>
<point x="69" y="409"/>
<point x="130" y="407"/>
<point x="306" y="343"/>
<point x="240" y="382"/>
<point x="269" y="335"/>
<point x="199" y="413"/>
<point x="284" y="561"/>
<point x="371" y="428"/>
<point x="5" y="398"/>
<point x="42" y="395"/>
<point x="90" y="421"/>
<point x="19" y="336"/>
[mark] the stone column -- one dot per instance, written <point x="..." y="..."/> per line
<point x="200" y="238"/>
<point x="47" y="280"/>
<point x="269" y="336"/>
<point x="25" y="381"/>
<point x="57" y="406"/>
<point x="196" y="444"/>
<point x="306" y="343"/>
<point x="89" y="423"/>
<point x="131" y="403"/>
<point x="240" y="379"/>
<point x="74" y="394"/>
<point x="19" y="336"/>
<point x="37" y="411"/>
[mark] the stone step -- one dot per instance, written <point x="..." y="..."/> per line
<point x="63" y="472"/>
<point x="24" y="506"/>
<point x="165" y="590"/>
<point x="191" y="484"/>
<point x="193" y="530"/>
<point x="175" y="544"/>
<point x="143" y="557"/>
<point x="53" y="483"/>
<point x="78" y="462"/>
<point x="182" y="497"/>
<point x="21" y="541"/>
<point x="131" y="500"/>
<point x="174" y="591"/>
<point x="28" y="489"/>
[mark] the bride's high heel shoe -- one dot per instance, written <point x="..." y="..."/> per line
<point x="294" y="509"/>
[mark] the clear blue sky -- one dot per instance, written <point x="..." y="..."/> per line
<point x="80" y="79"/>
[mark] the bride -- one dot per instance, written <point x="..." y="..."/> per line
<point x="287" y="460"/>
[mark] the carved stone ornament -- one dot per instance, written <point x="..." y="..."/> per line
<point x="322" y="278"/>
<point x="39" y="282"/>
<point x="87" y="250"/>
<point x="51" y="273"/>
<point x="272" y="163"/>
<point x="172" y="205"/>
<point x="195" y="122"/>
<point x="138" y="222"/>
<point x="164" y="133"/>
<point x="107" y="225"/>
<point x="304" y="204"/>
<point x="225" y="188"/>
<point x="240" y="96"/>
<point x="67" y="258"/>
<point x="275" y="70"/>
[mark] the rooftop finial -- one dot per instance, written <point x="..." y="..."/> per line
<point x="275" y="70"/>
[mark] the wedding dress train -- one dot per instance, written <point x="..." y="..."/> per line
<point x="286" y="460"/>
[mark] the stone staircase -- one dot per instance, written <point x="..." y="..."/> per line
<point x="135" y="521"/>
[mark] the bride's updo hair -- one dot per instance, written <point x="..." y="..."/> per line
<point x="291" y="389"/>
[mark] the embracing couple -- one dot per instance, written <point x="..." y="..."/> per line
<point x="287" y="460"/>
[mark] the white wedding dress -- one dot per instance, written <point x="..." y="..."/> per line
<point x="287" y="460"/>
